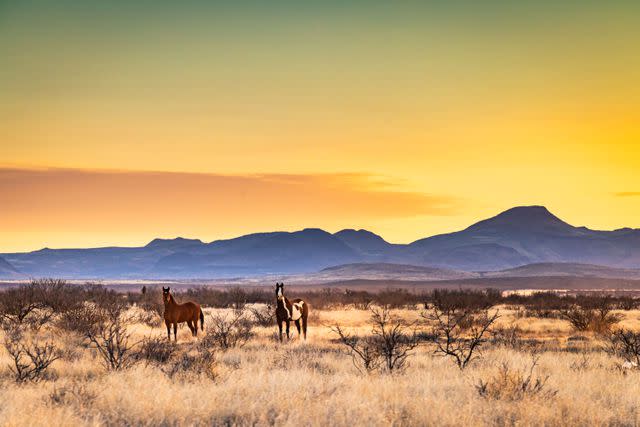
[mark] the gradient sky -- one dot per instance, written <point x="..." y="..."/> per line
<point x="126" y="121"/>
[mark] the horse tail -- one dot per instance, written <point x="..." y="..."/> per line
<point x="201" y="320"/>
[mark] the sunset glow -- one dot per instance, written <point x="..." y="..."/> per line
<point x="122" y="123"/>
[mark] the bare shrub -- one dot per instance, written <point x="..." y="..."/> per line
<point x="263" y="316"/>
<point x="364" y="351"/>
<point x="156" y="350"/>
<point x="582" y="364"/>
<point x="199" y="361"/>
<point x="82" y="320"/>
<point x="113" y="342"/>
<point x="625" y="344"/>
<point x="227" y="331"/>
<point x="29" y="358"/>
<point x="21" y="305"/>
<point x="459" y="330"/>
<point x="508" y="337"/>
<point x="596" y="317"/>
<point x="514" y="384"/>
<point x="72" y="394"/>
<point x="390" y="344"/>
<point x="149" y="318"/>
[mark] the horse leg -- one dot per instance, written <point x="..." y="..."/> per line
<point x="288" y="324"/>
<point x="304" y="327"/>
<point x="175" y="330"/>
<point x="190" y="325"/>
<point x="297" y="322"/>
<point x="280" y="328"/>
<point x="168" y="324"/>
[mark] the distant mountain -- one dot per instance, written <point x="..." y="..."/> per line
<point x="8" y="271"/>
<point x="526" y="235"/>
<point x="514" y="238"/>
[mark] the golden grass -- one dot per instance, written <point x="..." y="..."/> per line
<point x="314" y="383"/>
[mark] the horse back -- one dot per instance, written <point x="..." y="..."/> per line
<point x="182" y="312"/>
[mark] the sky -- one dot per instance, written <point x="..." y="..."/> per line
<point x="127" y="121"/>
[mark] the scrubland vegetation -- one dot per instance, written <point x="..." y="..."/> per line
<point x="77" y="355"/>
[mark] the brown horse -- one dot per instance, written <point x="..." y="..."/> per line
<point x="175" y="313"/>
<point x="287" y="311"/>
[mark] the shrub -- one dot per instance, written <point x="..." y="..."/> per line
<point x="389" y="346"/>
<point x="112" y="340"/>
<point x="513" y="384"/>
<point x="626" y="345"/>
<point x="263" y="316"/>
<point x="200" y="361"/>
<point x="227" y="331"/>
<point x="30" y="360"/>
<point x="595" y="316"/>
<point x="459" y="330"/>
<point x="156" y="350"/>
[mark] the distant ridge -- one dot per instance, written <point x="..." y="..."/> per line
<point x="8" y="271"/>
<point x="518" y="237"/>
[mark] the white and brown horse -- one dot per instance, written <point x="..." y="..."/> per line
<point x="290" y="310"/>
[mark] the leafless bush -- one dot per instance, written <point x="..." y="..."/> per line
<point x="513" y="384"/>
<point x="72" y="394"/>
<point x="364" y="351"/>
<point x="508" y="337"/>
<point x="112" y="340"/>
<point x="390" y="344"/>
<point x="156" y="350"/>
<point x="227" y="331"/>
<point x="626" y="345"/>
<point x="458" y="331"/>
<point x="200" y="361"/>
<point x="29" y="359"/>
<point x="582" y="364"/>
<point x="597" y="319"/>
<point x="263" y="316"/>
<point x="82" y="320"/>
<point x="149" y="318"/>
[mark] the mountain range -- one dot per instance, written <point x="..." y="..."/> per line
<point x="517" y="237"/>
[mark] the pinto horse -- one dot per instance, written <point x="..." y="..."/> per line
<point x="175" y="313"/>
<point x="287" y="311"/>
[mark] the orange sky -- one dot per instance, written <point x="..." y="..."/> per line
<point x="118" y="125"/>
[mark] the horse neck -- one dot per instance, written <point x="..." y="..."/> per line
<point x="171" y="301"/>
<point x="284" y="302"/>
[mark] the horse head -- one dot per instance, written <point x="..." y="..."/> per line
<point x="166" y="296"/>
<point x="280" y="291"/>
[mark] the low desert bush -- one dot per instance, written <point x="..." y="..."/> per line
<point x="263" y="316"/>
<point x="225" y="331"/>
<point x="596" y="318"/>
<point x="30" y="358"/>
<point x="515" y="384"/>
<point x="625" y="344"/>
<point x="459" y="329"/>
<point x="391" y="342"/>
<point x="200" y="360"/>
<point x="156" y="350"/>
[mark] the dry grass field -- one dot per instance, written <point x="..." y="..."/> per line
<point x="300" y="383"/>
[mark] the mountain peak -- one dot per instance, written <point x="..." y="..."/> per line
<point x="178" y="241"/>
<point x="362" y="240"/>
<point x="528" y="217"/>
